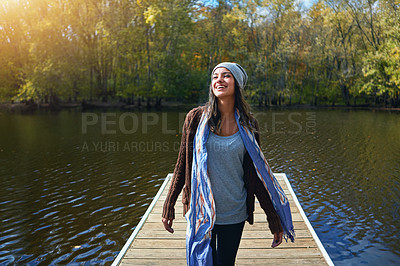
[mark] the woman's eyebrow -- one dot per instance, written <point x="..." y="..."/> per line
<point x="223" y="73"/>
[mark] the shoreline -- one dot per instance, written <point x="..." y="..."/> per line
<point x="30" y="108"/>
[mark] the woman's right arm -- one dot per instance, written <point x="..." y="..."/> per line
<point x="178" y="180"/>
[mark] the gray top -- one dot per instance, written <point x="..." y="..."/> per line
<point x="225" y="168"/>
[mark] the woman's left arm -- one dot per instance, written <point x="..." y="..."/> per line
<point x="266" y="203"/>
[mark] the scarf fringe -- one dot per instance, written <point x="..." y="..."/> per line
<point x="291" y="234"/>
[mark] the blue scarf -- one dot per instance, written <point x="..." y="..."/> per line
<point x="201" y="215"/>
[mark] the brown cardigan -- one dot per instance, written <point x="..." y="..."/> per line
<point x="182" y="178"/>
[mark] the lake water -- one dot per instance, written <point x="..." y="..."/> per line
<point x="75" y="184"/>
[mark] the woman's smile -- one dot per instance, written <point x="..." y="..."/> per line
<point x="223" y="83"/>
<point x="220" y="87"/>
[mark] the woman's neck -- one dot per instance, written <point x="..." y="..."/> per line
<point x="226" y="108"/>
<point x="228" y="124"/>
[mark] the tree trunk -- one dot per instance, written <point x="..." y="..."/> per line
<point x="148" y="66"/>
<point x="54" y="101"/>
<point x="260" y="100"/>
<point x="346" y="94"/>
<point x="148" y="102"/>
<point x="91" y="84"/>
<point x="385" y="99"/>
<point x="266" y="98"/>
<point x="158" y="101"/>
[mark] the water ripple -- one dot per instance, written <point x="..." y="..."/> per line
<point x="61" y="205"/>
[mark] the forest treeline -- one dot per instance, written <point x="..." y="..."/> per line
<point x="147" y="51"/>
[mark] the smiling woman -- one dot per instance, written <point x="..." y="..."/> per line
<point x="219" y="185"/>
<point x="223" y="84"/>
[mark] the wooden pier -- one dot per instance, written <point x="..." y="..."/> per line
<point x="151" y="244"/>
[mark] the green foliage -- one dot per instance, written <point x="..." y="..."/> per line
<point x="27" y="92"/>
<point x="382" y="67"/>
<point x="88" y="50"/>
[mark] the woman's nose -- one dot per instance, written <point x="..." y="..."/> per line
<point x="219" y="79"/>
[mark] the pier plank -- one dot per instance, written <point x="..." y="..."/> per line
<point x="151" y="244"/>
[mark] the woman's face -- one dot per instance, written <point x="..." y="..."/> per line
<point x="223" y="83"/>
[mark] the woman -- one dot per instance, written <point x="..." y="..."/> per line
<point x="217" y="170"/>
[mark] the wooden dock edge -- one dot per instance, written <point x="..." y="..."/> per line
<point x="302" y="213"/>
<point x="129" y="242"/>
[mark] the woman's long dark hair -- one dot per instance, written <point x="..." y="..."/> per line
<point x="246" y="118"/>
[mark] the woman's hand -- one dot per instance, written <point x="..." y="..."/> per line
<point x="168" y="225"/>
<point x="277" y="239"/>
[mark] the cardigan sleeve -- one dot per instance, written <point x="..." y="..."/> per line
<point x="178" y="178"/>
<point x="264" y="199"/>
<point x="182" y="171"/>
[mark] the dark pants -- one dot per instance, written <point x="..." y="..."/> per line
<point x="225" y="242"/>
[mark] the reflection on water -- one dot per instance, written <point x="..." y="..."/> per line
<point x="346" y="175"/>
<point x="75" y="185"/>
